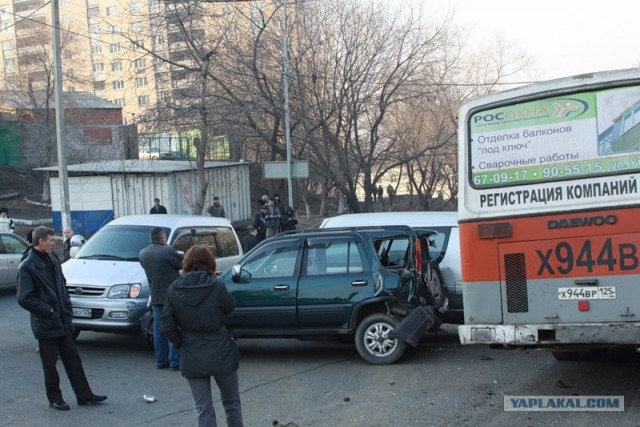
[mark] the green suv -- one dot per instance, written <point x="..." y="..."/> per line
<point x="354" y="282"/>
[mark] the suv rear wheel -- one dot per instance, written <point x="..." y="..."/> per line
<point x="373" y="343"/>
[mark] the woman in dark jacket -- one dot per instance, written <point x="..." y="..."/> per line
<point x="192" y="319"/>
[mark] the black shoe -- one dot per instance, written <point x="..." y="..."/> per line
<point x="175" y="368"/>
<point x="60" y="405"/>
<point x="94" y="399"/>
<point x="162" y="366"/>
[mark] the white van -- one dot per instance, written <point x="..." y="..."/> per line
<point x="447" y="244"/>
<point x="108" y="287"/>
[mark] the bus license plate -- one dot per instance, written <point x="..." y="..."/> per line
<point x="81" y="312"/>
<point x="581" y="292"/>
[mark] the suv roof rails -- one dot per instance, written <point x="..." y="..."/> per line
<point x="339" y="229"/>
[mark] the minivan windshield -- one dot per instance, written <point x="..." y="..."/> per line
<point x="117" y="242"/>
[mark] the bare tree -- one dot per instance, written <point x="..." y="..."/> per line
<point x="433" y="123"/>
<point x="357" y="65"/>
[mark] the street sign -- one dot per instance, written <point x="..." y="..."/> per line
<point x="278" y="170"/>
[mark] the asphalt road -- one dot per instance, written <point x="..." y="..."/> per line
<point x="316" y="383"/>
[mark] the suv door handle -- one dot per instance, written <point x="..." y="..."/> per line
<point x="281" y="288"/>
<point x="359" y="283"/>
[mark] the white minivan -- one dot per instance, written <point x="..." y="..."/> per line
<point x="107" y="285"/>
<point x="445" y="251"/>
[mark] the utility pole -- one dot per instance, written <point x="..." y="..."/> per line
<point x="65" y="214"/>
<point x="285" y="84"/>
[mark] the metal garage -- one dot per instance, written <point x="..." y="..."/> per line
<point x="102" y="191"/>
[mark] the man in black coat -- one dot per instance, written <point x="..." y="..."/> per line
<point x="259" y="222"/>
<point x="66" y="244"/>
<point x="250" y="240"/>
<point x="161" y="264"/>
<point x="157" y="207"/>
<point x="42" y="292"/>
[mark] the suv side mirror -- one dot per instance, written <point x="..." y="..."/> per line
<point x="236" y="272"/>
<point x="76" y="243"/>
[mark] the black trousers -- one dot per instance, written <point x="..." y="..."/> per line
<point x="66" y="347"/>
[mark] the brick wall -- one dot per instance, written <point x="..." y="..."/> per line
<point x="90" y="135"/>
<point x="94" y="116"/>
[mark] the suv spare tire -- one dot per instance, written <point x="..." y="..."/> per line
<point x="436" y="286"/>
<point x="373" y="342"/>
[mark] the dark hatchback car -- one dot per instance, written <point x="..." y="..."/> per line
<point x="354" y="283"/>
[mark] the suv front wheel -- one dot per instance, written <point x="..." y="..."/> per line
<point x="373" y="342"/>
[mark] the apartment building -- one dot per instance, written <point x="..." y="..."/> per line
<point x="108" y="49"/>
<point x="130" y="52"/>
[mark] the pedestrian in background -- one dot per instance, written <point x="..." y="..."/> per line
<point x="216" y="209"/>
<point x="161" y="264"/>
<point x="6" y="224"/>
<point x="272" y="219"/>
<point x="259" y="222"/>
<point x="66" y="245"/>
<point x="290" y="220"/>
<point x="262" y="201"/>
<point x="391" y="192"/>
<point x="282" y="209"/>
<point x="250" y="240"/>
<point x="42" y="292"/>
<point x="157" y="207"/>
<point x="193" y="319"/>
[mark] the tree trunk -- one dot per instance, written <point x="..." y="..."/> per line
<point x="324" y="202"/>
<point x="202" y="145"/>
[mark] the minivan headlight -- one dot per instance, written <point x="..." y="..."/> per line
<point x="128" y="290"/>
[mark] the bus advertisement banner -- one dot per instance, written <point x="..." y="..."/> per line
<point x="581" y="135"/>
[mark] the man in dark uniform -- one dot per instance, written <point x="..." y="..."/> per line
<point x="157" y="207"/>
<point x="259" y="222"/>
<point x="42" y="292"/>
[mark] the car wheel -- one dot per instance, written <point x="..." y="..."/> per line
<point x="75" y="333"/>
<point x="144" y="339"/>
<point x="373" y="343"/>
<point x="436" y="285"/>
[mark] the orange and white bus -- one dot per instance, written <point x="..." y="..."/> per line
<point x="549" y="212"/>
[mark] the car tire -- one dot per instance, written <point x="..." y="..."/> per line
<point x="373" y="343"/>
<point x="75" y="333"/>
<point x="144" y="339"/>
<point x="435" y="284"/>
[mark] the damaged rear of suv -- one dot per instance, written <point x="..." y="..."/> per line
<point x="374" y="284"/>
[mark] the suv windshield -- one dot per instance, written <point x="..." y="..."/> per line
<point x="117" y="242"/>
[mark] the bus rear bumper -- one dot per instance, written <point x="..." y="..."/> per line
<point x="543" y="335"/>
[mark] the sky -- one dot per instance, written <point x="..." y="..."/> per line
<point x="562" y="37"/>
